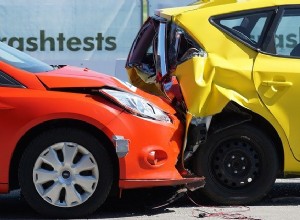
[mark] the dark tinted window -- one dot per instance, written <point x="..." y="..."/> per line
<point x="6" y="80"/>
<point x="286" y="38"/>
<point x="248" y="28"/>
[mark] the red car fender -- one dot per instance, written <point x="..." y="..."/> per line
<point x="65" y="106"/>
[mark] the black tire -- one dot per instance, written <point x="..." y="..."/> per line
<point x="84" y="175"/>
<point x="240" y="165"/>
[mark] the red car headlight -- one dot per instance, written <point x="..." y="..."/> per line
<point x="136" y="105"/>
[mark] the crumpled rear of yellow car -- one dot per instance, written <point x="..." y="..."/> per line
<point x="226" y="74"/>
<point x="237" y="84"/>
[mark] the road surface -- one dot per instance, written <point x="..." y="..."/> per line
<point x="282" y="203"/>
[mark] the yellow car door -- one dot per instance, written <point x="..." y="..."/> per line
<point x="276" y="74"/>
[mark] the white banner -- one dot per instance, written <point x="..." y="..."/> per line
<point x="87" y="33"/>
<point x="158" y="4"/>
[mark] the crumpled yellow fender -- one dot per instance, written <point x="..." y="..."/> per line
<point x="208" y="84"/>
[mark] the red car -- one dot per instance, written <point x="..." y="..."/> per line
<point x="70" y="136"/>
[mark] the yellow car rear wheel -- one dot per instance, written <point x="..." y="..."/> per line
<point x="240" y="165"/>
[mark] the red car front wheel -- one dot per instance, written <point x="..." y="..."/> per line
<point x="65" y="172"/>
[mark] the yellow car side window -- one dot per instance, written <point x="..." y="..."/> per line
<point x="287" y="34"/>
<point x="248" y="28"/>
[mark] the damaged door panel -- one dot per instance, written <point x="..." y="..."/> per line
<point x="276" y="75"/>
<point x="277" y="87"/>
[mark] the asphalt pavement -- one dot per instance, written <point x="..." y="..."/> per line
<point x="281" y="203"/>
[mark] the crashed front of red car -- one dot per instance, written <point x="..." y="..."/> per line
<point x="72" y="136"/>
<point x="147" y="134"/>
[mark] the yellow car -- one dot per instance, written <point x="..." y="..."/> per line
<point x="231" y="68"/>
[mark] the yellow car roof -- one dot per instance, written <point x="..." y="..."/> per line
<point x="219" y="5"/>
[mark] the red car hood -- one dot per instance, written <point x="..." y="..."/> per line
<point x="74" y="77"/>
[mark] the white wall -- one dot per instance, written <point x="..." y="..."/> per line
<point x="93" y="33"/>
<point x="159" y="4"/>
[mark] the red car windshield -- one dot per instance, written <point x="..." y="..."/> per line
<point x="21" y="60"/>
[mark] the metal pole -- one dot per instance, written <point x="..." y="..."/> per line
<point x="148" y="8"/>
<point x="142" y="12"/>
